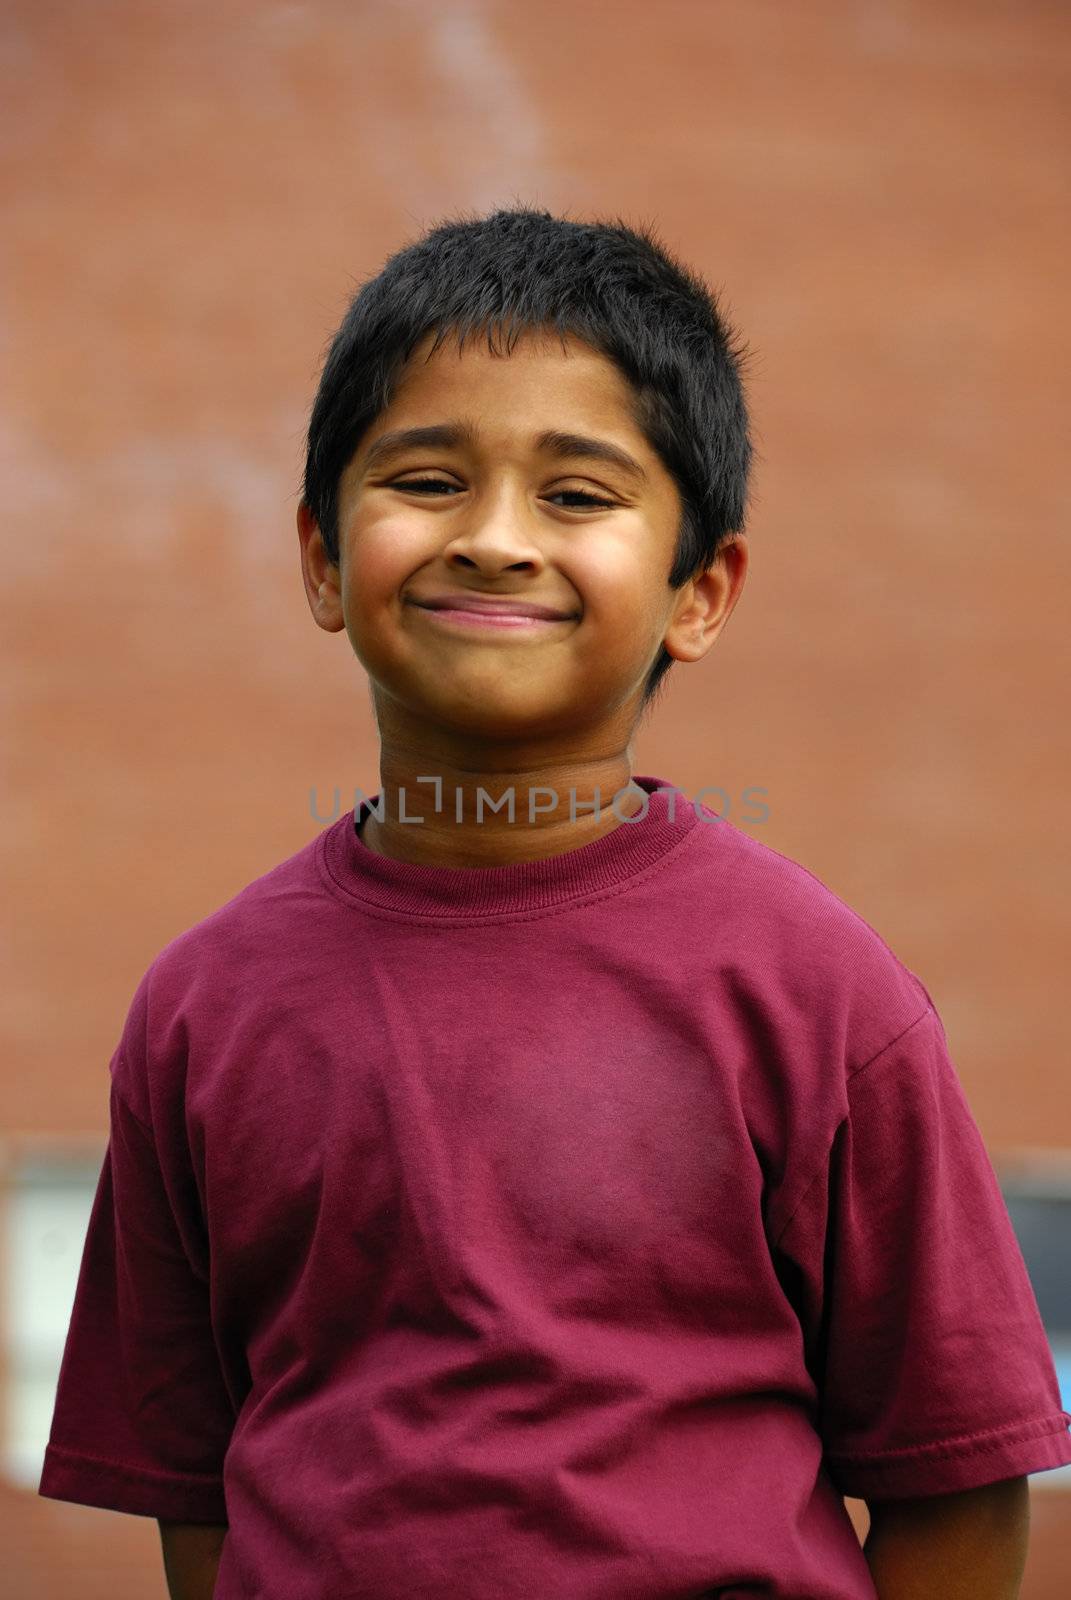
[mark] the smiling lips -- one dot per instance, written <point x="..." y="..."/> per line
<point x="491" y="610"/>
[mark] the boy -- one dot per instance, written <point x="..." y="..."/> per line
<point x="536" y="1187"/>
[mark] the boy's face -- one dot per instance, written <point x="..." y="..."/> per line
<point x="505" y="508"/>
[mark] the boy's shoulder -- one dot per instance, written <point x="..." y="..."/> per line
<point x="796" y="937"/>
<point x="246" y="943"/>
<point x="249" y="952"/>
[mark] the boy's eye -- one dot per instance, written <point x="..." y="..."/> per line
<point x="585" y="499"/>
<point x="421" y="484"/>
<point x="431" y="485"/>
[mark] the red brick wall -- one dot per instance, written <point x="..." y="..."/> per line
<point x="190" y="194"/>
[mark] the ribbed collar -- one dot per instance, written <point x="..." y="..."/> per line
<point x="409" y="888"/>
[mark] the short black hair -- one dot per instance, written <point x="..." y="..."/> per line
<point x="613" y="286"/>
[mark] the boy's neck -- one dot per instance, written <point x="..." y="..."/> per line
<point x="544" y="823"/>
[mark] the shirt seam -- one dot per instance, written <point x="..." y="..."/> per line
<point x="136" y="1472"/>
<point x="146" y="1127"/>
<point x="849" y="1079"/>
<point x="982" y="1440"/>
<point x="485" y="919"/>
<point x="869" y="1062"/>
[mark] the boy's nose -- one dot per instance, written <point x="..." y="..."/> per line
<point x="493" y="539"/>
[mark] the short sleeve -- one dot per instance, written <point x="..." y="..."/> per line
<point x="920" y="1324"/>
<point x="142" y="1416"/>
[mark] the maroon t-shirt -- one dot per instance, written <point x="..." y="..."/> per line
<point x="585" y="1228"/>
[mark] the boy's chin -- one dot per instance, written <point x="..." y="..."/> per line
<point x="489" y="710"/>
<point x="499" y="717"/>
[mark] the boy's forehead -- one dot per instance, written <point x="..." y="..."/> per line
<point x="544" y="372"/>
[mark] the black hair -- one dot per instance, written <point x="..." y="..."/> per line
<point x="615" y="287"/>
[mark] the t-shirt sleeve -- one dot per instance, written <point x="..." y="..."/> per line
<point x="142" y="1416"/>
<point x="920" y="1324"/>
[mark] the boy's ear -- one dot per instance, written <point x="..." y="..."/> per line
<point x="705" y="603"/>
<point x="323" y="580"/>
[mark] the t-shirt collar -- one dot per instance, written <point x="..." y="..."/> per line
<point x="406" y="887"/>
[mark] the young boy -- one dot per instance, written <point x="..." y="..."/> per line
<point x="536" y="1187"/>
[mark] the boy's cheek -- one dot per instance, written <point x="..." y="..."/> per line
<point x="384" y="554"/>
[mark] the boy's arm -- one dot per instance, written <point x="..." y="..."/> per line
<point x="921" y="1330"/>
<point x="144" y="1412"/>
<point x="971" y="1545"/>
<point x="191" y="1558"/>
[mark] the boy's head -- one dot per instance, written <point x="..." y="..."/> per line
<point x="588" y="329"/>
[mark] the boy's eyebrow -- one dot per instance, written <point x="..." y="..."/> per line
<point x="578" y="444"/>
<point x="447" y="435"/>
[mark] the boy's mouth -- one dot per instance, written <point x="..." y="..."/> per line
<point x="509" y="621"/>
<point x="500" y="610"/>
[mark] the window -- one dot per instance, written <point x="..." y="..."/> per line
<point x="47" y="1198"/>
<point x="1036" y="1185"/>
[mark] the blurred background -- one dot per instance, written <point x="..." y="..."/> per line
<point x="192" y="193"/>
